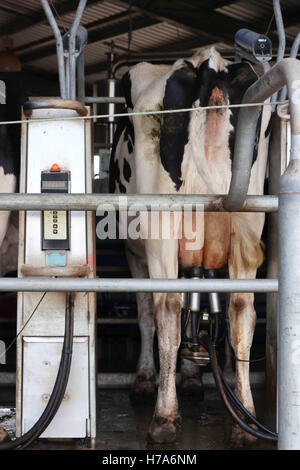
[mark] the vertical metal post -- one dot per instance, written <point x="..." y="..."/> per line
<point x="72" y="49"/>
<point x="59" y="48"/>
<point x="272" y="273"/>
<point x="81" y="77"/>
<point x="289" y="303"/>
<point x="281" y="36"/>
<point x="293" y="54"/>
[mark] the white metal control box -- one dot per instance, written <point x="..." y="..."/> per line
<point x="66" y="143"/>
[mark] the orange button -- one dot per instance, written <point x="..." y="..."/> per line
<point x="55" y="167"/>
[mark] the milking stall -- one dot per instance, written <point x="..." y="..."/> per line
<point x="149" y="227"/>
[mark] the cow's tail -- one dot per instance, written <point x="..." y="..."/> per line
<point x="247" y="249"/>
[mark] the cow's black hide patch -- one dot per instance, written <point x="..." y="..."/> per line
<point x="126" y="170"/>
<point x="129" y="136"/>
<point x="233" y="83"/>
<point x="126" y="85"/>
<point x="236" y="81"/>
<point x="269" y="128"/>
<point x="10" y="134"/>
<point x="179" y="93"/>
<point x="124" y="126"/>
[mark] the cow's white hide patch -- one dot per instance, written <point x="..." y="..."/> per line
<point x="7" y="185"/>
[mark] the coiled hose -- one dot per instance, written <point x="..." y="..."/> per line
<point x="58" y="389"/>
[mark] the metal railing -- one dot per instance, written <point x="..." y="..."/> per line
<point x="141" y="202"/>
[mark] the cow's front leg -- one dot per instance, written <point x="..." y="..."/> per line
<point x="166" y="420"/>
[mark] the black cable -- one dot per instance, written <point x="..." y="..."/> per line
<point x="227" y="401"/>
<point x="58" y="389"/>
<point x="63" y="380"/>
<point x="244" y="410"/>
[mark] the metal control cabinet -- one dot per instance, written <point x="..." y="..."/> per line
<point x="68" y="144"/>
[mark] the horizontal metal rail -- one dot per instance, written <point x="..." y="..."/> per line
<point x="104" y="100"/>
<point x="154" y="202"/>
<point x="33" y="284"/>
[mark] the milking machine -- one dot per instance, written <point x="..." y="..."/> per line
<point x="202" y="331"/>
<point x="56" y="361"/>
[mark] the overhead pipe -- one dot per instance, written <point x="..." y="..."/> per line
<point x="72" y="48"/>
<point x="59" y="48"/>
<point x="281" y="36"/>
<point x="287" y="71"/>
<point x="293" y="54"/>
<point x="295" y="46"/>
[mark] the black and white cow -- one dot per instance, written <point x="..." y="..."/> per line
<point x="188" y="153"/>
<point x="9" y="172"/>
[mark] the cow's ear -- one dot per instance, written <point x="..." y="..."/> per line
<point x="126" y="85"/>
<point x="179" y="94"/>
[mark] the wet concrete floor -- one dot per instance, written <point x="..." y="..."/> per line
<point x="122" y="425"/>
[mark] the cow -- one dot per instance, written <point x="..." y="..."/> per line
<point x="9" y="172"/>
<point x="188" y="153"/>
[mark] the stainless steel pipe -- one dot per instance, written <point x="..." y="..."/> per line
<point x="136" y="285"/>
<point x="141" y="202"/>
<point x="59" y="48"/>
<point x="287" y="71"/>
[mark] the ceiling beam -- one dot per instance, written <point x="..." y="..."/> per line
<point x="103" y="34"/>
<point x="214" y="25"/>
<point x="290" y="18"/>
<point x="212" y="4"/>
<point x="38" y="16"/>
<point x="108" y="21"/>
<point x="182" y="13"/>
<point x="192" y="43"/>
<point x="15" y="12"/>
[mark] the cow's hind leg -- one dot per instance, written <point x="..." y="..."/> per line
<point x="163" y="263"/>
<point x="245" y="257"/>
<point x="145" y="384"/>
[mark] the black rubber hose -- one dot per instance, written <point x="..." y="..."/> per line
<point x="216" y="373"/>
<point x="232" y="397"/>
<point x="58" y="389"/>
<point x="67" y="355"/>
<point x="244" y="410"/>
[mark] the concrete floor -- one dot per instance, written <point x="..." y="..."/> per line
<point x="123" y="426"/>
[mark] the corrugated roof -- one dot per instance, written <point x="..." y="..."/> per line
<point x="166" y="33"/>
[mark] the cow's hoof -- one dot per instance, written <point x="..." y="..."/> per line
<point x="192" y="386"/>
<point x="143" y="390"/>
<point x="241" y="438"/>
<point x="4" y="436"/>
<point x="164" y="430"/>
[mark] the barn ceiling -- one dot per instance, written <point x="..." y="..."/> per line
<point x="137" y="26"/>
